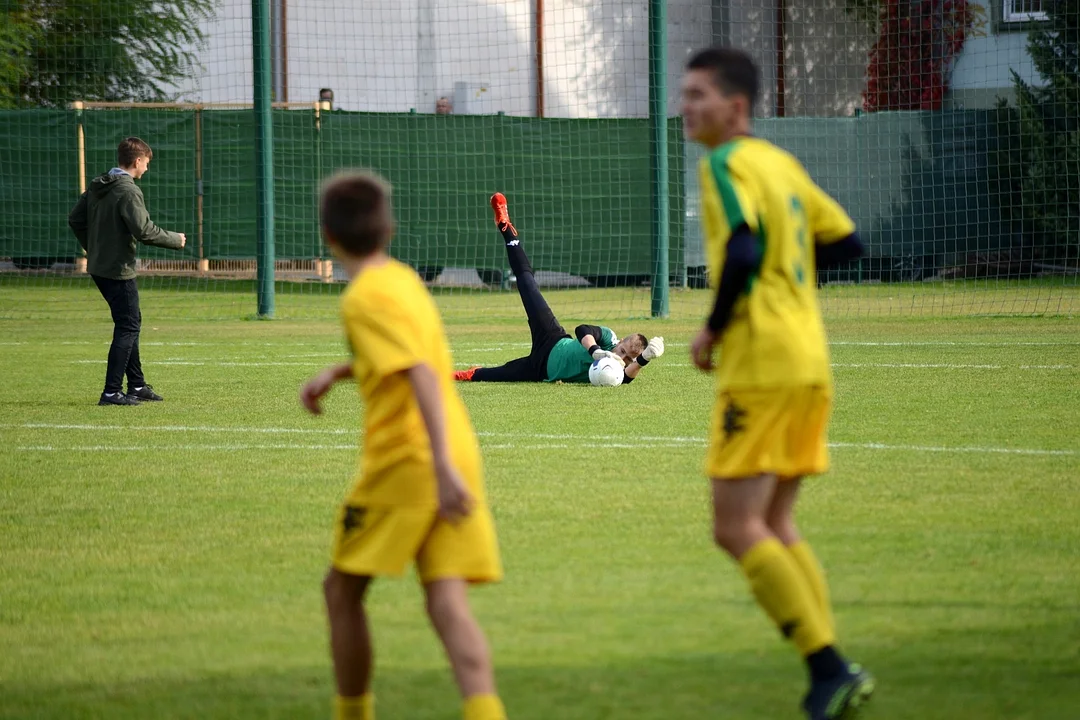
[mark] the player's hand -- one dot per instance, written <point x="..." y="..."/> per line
<point x="183" y="240"/>
<point x="701" y="349"/>
<point x="315" y="388"/>
<point x="598" y="354"/>
<point x="455" y="500"/>
<point x="654" y="350"/>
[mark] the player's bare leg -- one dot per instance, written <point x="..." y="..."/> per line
<point x="739" y="509"/>
<point x="745" y="512"/>
<point x="781" y="521"/>
<point x="466" y="647"/>
<point x="350" y="643"/>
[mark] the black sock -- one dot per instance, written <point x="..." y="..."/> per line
<point x="826" y="663"/>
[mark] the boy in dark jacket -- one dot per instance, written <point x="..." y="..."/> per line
<point x="108" y="220"/>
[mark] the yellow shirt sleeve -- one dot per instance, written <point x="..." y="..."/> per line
<point x="385" y="337"/>
<point x="828" y="220"/>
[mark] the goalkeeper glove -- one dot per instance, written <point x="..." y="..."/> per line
<point x="654" y="350"/>
<point x="598" y="352"/>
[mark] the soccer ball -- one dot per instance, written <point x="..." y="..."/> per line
<point x="606" y="372"/>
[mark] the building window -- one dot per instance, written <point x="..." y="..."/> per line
<point x="1016" y="11"/>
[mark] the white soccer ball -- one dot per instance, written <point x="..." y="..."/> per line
<point x="606" y="372"/>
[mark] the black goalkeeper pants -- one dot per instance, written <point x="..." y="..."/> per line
<point x="544" y="328"/>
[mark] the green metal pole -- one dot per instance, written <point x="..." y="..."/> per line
<point x="264" y="156"/>
<point x="659" y="155"/>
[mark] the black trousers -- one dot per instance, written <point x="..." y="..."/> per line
<point x="123" y="299"/>
<point x="544" y="328"/>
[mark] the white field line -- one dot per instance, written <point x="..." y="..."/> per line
<point x="186" y="428"/>
<point x="526" y="446"/>
<point x="327" y="431"/>
<point x="214" y="363"/>
<point x="315" y="363"/>
<point x="140" y="448"/>
<point x="920" y="366"/>
<point x="947" y="343"/>
<point x="939" y="449"/>
<point x="578" y="441"/>
<point x="479" y="347"/>
<point x="485" y="347"/>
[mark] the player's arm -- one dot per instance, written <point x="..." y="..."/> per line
<point x="142" y="228"/>
<point x="654" y="350"/>
<point x="741" y="259"/>
<point x="77" y="220"/>
<point x="455" y="501"/>
<point x="835" y="239"/>
<point x="314" y="390"/>
<point x="589" y="336"/>
<point x="846" y="249"/>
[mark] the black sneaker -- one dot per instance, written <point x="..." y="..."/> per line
<point x="144" y="392"/>
<point x="117" y="398"/>
<point x="839" y="697"/>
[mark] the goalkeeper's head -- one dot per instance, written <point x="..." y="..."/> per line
<point x="355" y="214"/>
<point x="630" y="347"/>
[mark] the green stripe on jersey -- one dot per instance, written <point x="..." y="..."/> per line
<point x="725" y="186"/>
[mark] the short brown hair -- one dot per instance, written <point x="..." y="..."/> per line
<point x="355" y="212"/>
<point x="640" y="341"/>
<point x="130" y="150"/>
<point x="733" y="71"/>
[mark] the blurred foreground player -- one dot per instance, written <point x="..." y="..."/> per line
<point x="419" y="496"/>
<point x="767" y="228"/>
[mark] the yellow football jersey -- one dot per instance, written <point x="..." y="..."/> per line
<point x="392" y="324"/>
<point x="776" y="337"/>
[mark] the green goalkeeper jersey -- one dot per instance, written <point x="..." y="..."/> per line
<point x="570" y="362"/>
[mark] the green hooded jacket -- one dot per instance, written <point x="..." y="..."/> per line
<point x="109" y="219"/>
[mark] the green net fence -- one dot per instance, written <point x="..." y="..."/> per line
<point x="948" y="129"/>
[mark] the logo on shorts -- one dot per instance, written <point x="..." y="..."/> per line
<point x="733" y="419"/>
<point x="354" y="518"/>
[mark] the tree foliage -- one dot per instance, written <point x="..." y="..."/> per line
<point x="55" y="51"/>
<point x="1049" y="127"/>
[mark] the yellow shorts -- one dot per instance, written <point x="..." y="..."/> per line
<point x="781" y="431"/>
<point x="383" y="540"/>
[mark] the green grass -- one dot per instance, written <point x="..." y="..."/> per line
<point x="177" y="574"/>
<point x="60" y="298"/>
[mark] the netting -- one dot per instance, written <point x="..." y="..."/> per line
<point x="949" y="130"/>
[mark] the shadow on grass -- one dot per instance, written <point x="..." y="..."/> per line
<point x="923" y="681"/>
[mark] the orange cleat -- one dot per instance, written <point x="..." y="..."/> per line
<point x="502" y="215"/>
<point x="465" y="375"/>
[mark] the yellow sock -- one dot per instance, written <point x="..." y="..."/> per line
<point x="483" y="707"/>
<point x="812" y="572"/>
<point x="354" y="708"/>
<point x="785" y="596"/>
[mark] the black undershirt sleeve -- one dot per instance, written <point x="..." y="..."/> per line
<point x="582" y="330"/>
<point x="841" y="251"/>
<point x="742" y="259"/>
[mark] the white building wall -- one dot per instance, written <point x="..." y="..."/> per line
<point x="397" y="55"/>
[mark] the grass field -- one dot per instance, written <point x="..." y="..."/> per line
<point x="165" y="560"/>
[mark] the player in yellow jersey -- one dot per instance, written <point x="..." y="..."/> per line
<point x="767" y="228"/>
<point x="419" y="495"/>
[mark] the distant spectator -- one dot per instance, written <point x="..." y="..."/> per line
<point x="109" y="221"/>
<point x="443" y="106"/>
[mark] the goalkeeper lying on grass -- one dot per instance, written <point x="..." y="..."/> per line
<point x="555" y="356"/>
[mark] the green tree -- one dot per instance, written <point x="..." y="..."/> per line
<point x="56" y="51"/>
<point x="1049" y="127"/>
